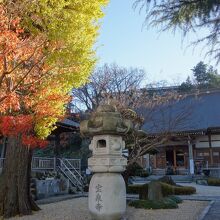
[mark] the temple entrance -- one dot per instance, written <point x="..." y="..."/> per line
<point x="175" y="158"/>
<point x="169" y="158"/>
<point x="180" y="158"/>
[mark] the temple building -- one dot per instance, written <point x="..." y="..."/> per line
<point x="192" y="127"/>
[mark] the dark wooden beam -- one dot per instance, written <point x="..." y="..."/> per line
<point x="174" y="157"/>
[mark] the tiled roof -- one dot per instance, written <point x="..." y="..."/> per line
<point x="194" y="112"/>
<point x="68" y="122"/>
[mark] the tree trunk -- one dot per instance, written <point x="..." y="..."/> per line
<point x="15" y="196"/>
<point x="2" y="155"/>
<point x="126" y="175"/>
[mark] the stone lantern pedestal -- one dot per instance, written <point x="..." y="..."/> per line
<point x="107" y="191"/>
<point x="107" y="196"/>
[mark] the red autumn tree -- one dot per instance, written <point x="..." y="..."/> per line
<point x="28" y="98"/>
<point x="22" y="71"/>
<point x="29" y="106"/>
<point x="41" y="59"/>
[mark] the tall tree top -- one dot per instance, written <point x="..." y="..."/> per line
<point x="186" y="15"/>
<point x="46" y="49"/>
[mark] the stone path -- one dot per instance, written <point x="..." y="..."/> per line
<point x="200" y="198"/>
<point x="213" y="212"/>
<point x="207" y="193"/>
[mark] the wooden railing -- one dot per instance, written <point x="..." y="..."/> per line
<point x="46" y="163"/>
<point x="76" y="163"/>
<point x="210" y="166"/>
<point x="43" y="163"/>
<point x="215" y="165"/>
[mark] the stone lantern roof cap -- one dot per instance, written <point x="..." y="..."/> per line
<point x="106" y="108"/>
<point x="105" y="120"/>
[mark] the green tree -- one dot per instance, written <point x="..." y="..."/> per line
<point x="186" y="15"/>
<point x="206" y="76"/>
<point x="201" y="74"/>
<point x="214" y="78"/>
<point x="186" y="86"/>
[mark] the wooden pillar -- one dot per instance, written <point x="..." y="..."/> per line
<point x="155" y="161"/>
<point x="191" y="159"/>
<point x="210" y="148"/>
<point x="147" y="161"/>
<point x="185" y="163"/>
<point x="142" y="164"/>
<point x="174" y="157"/>
<point x="194" y="152"/>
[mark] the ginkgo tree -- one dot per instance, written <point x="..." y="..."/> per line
<point x="46" y="48"/>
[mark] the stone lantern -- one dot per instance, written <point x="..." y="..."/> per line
<point x="107" y="192"/>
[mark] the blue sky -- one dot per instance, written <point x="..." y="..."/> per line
<point x="164" y="56"/>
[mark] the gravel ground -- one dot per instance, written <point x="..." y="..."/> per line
<point x="188" y="210"/>
<point x="76" y="209"/>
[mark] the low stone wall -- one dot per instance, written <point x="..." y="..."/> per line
<point x="51" y="187"/>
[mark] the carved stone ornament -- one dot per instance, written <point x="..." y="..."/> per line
<point x="107" y="154"/>
<point x="106" y="120"/>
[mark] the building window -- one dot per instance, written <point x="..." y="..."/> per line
<point x="216" y="154"/>
<point x="203" y="154"/>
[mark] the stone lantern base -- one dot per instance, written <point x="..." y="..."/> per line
<point x="107" y="196"/>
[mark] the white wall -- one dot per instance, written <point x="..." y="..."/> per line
<point x="203" y="141"/>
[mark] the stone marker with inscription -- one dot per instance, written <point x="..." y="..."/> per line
<point x="107" y="192"/>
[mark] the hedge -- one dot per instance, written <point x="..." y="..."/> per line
<point x="165" y="203"/>
<point x="175" y="199"/>
<point x="168" y="180"/>
<point x="177" y="190"/>
<point x="167" y="190"/>
<point x="134" y="189"/>
<point x="213" y="181"/>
